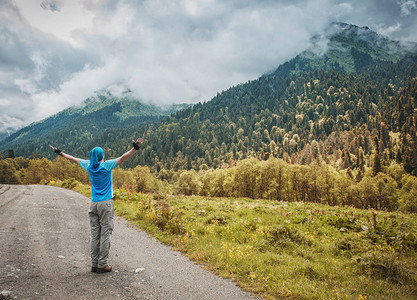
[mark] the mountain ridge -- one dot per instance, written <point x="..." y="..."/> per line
<point x="304" y="111"/>
<point x="97" y="113"/>
<point x="346" y="48"/>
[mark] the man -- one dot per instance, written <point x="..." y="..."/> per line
<point x="101" y="208"/>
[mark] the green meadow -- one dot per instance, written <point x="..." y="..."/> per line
<point x="281" y="250"/>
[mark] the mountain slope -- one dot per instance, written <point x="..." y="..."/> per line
<point x="78" y="125"/>
<point x="347" y="48"/>
<point x="319" y="113"/>
<point x="301" y="113"/>
<point x="311" y="112"/>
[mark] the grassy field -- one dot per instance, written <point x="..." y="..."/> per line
<point x="284" y="250"/>
<point x="287" y="250"/>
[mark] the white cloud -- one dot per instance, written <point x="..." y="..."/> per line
<point x="29" y="84"/>
<point x="10" y="124"/>
<point x="344" y="7"/>
<point x="56" y="53"/>
<point x="407" y="6"/>
<point x="388" y="31"/>
<point x="62" y="23"/>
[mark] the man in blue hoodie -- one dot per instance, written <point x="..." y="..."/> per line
<point x="101" y="208"/>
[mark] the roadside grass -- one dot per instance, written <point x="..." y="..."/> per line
<point x="287" y="250"/>
<point x="282" y="250"/>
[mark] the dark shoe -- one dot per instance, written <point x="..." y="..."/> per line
<point x="106" y="269"/>
<point x="93" y="269"/>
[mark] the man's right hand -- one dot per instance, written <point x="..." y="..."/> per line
<point x="56" y="150"/>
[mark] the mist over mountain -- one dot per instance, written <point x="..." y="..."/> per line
<point x="344" y="99"/>
<point x="346" y="48"/>
<point x="78" y="126"/>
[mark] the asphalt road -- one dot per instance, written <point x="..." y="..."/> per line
<point x="44" y="254"/>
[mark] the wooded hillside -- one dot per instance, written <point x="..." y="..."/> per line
<point x="359" y="115"/>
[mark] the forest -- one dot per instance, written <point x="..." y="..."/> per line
<point x="388" y="188"/>
<point x="299" y="119"/>
<point x="321" y="136"/>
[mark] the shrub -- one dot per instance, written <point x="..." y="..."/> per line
<point x="408" y="194"/>
<point x="284" y="235"/>
<point x="69" y="183"/>
<point x="384" y="266"/>
<point x="343" y="223"/>
<point x="159" y="212"/>
<point x="188" y="183"/>
<point x="120" y="194"/>
<point x="37" y="170"/>
<point x="8" y="173"/>
<point x="350" y="245"/>
<point x="217" y="219"/>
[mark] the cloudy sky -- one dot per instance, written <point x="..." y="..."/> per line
<point x="56" y="53"/>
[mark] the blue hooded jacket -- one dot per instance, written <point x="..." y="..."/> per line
<point x="100" y="175"/>
<point x="96" y="155"/>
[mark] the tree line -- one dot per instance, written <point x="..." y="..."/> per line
<point x="382" y="188"/>
<point x="318" y="115"/>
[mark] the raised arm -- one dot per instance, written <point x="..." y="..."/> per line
<point x="128" y="154"/>
<point x="67" y="156"/>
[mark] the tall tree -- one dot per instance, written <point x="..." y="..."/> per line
<point x="10" y="154"/>
<point x="376" y="165"/>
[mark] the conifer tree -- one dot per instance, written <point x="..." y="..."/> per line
<point x="359" y="175"/>
<point x="11" y="154"/>
<point x="349" y="173"/>
<point x="376" y="165"/>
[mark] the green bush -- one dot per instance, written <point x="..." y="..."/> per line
<point x="69" y="183"/>
<point x="343" y="223"/>
<point x="384" y="266"/>
<point x="286" y="236"/>
<point x="351" y="245"/>
<point x="408" y="194"/>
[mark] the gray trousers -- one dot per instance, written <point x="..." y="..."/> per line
<point x="101" y="223"/>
